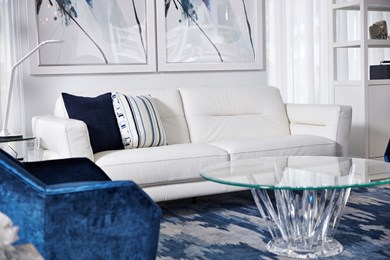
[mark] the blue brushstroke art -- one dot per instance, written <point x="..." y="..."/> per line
<point x="69" y="13"/>
<point x="189" y="12"/>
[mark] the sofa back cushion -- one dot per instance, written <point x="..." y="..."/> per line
<point x="99" y="116"/>
<point x="138" y="121"/>
<point x="168" y="103"/>
<point x="215" y="114"/>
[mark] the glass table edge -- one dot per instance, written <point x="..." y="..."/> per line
<point x="271" y="187"/>
<point x="16" y="139"/>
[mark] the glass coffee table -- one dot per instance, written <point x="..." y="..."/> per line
<point x="309" y="194"/>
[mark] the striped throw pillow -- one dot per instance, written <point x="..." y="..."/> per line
<point x="138" y="120"/>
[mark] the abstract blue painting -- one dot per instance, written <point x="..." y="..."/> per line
<point x="93" y="31"/>
<point x="202" y="31"/>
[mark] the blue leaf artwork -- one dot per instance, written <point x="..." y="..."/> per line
<point x="224" y="25"/>
<point x="109" y="25"/>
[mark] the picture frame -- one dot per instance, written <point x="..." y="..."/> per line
<point x="97" y="36"/>
<point x="206" y="35"/>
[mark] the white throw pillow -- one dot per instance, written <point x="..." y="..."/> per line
<point x="138" y="120"/>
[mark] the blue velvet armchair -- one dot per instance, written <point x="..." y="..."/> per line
<point x="387" y="152"/>
<point x="70" y="209"/>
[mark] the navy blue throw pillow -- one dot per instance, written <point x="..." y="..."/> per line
<point x="99" y="116"/>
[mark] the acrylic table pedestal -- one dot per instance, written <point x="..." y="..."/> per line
<point x="301" y="198"/>
<point x="302" y="224"/>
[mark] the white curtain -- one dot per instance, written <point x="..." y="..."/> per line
<point x="10" y="52"/>
<point x="297" y="49"/>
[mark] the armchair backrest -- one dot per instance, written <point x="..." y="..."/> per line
<point x="75" y="212"/>
<point x="387" y="152"/>
<point x="14" y="168"/>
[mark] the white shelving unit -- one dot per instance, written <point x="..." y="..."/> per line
<point x="370" y="99"/>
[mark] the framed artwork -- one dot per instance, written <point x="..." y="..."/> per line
<point x="209" y="35"/>
<point x="97" y="36"/>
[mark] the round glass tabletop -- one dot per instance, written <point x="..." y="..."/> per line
<point x="300" y="173"/>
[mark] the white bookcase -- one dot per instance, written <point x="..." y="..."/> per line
<point x="370" y="99"/>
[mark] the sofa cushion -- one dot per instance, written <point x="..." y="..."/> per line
<point x="160" y="165"/>
<point x="215" y="114"/>
<point x="98" y="114"/>
<point x="278" y="146"/>
<point x="138" y="121"/>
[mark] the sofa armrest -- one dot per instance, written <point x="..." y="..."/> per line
<point x="62" y="137"/>
<point x="330" y="121"/>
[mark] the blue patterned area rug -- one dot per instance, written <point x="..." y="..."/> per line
<point x="227" y="227"/>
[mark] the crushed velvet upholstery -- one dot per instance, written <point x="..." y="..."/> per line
<point x="61" y="171"/>
<point x="69" y="209"/>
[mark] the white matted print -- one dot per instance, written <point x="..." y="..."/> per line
<point x="97" y="36"/>
<point x="209" y="34"/>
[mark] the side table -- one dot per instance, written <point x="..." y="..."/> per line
<point x="27" y="151"/>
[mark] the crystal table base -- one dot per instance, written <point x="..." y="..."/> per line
<point x="302" y="223"/>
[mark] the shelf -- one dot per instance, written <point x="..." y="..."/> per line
<point x="347" y="44"/>
<point x="358" y="44"/>
<point x="376" y="82"/>
<point x="347" y="83"/>
<point x="369" y="99"/>
<point x="372" y="5"/>
<point x="378" y="43"/>
<point x="350" y="5"/>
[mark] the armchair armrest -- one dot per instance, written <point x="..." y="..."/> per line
<point x="330" y="121"/>
<point x="101" y="220"/>
<point x="62" y="137"/>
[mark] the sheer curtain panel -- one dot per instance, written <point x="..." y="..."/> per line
<point x="10" y="52"/>
<point x="298" y="49"/>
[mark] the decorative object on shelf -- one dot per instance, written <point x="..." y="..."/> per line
<point x="4" y="131"/>
<point x="381" y="71"/>
<point x="8" y="235"/>
<point x="379" y="30"/>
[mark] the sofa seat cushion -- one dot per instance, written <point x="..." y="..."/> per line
<point x="164" y="164"/>
<point x="278" y="146"/>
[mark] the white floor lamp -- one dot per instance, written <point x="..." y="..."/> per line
<point x="4" y="133"/>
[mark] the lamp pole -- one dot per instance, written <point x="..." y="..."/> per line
<point x="4" y="133"/>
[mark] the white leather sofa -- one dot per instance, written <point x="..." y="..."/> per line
<point x="203" y="126"/>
